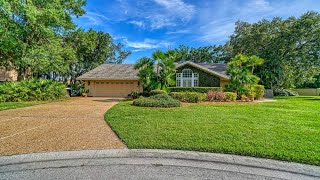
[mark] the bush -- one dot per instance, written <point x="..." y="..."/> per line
<point x="157" y="91"/>
<point x="194" y="89"/>
<point x="230" y="96"/>
<point x="220" y="96"/>
<point x="32" y="90"/>
<point x="211" y="95"/>
<point x="160" y="100"/>
<point x="259" y="91"/>
<point x="192" y="97"/>
<point x="285" y="92"/>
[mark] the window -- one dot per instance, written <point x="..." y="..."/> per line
<point x="187" y="73"/>
<point x="178" y="83"/>
<point x="195" y="83"/>
<point x="187" y="83"/>
<point x="187" y="79"/>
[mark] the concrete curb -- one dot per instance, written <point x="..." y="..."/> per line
<point x="215" y="161"/>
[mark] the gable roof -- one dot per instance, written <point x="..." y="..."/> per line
<point x="127" y="71"/>
<point x="215" y="68"/>
<point x="111" y="72"/>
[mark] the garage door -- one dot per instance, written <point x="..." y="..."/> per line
<point x="114" y="88"/>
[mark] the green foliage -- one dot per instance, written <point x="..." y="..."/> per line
<point x="38" y="39"/>
<point x="208" y="54"/>
<point x="240" y="69"/>
<point x="159" y="100"/>
<point x="165" y="72"/>
<point x="32" y="90"/>
<point x="259" y="91"/>
<point x="157" y="91"/>
<point x="230" y="96"/>
<point x="194" y="89"/>
<point x="289" y="47"/>
<point x="146" y="74"/>
<point x="191" y="97"/>
<point x="285" y="92"/>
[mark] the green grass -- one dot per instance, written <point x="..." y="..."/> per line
<point x="14" y="105"/>
<point x="288" y="129"/>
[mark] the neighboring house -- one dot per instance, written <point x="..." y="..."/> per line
<point x="8" y="75"/>
<point x="118" y="80"/>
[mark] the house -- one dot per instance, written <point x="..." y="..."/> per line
<point x="118" y="80"/>
<point x="6" y="75"/>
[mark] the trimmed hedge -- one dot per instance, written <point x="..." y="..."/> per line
<point x="230" y="96"/>
<point x="191" y="97"/>
<point x="194" y="89"/>
<point x="159" y="100"/>
<point x="157" y="91"/>
<point x="32" y="90"/>
<point x="259" y="91"/>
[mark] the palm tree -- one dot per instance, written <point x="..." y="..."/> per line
<point x="146" y="73"/>
<point x="158" y="56"/>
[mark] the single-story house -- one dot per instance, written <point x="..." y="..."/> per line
<point x="6" y="75"/>
<point x="118" y="80"/>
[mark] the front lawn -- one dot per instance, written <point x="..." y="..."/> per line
<point x="14" y="105"/>
<point x="288" y="129"/>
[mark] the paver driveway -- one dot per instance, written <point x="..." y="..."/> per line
<point x="74" y="124"/>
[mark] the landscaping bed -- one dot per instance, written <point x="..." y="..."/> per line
<point x="288" y="129"/>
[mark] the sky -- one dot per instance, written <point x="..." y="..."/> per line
<point x="143" y="26"/>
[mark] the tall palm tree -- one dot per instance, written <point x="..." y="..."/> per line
<point x="158" y="56"/>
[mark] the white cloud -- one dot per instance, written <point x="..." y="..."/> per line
<point x="140" y="24"/>
<point x="95" y="18"/>
<point x="178" y="7"/>
<point x="146" y="44"/>
<point x="182" y="31"/>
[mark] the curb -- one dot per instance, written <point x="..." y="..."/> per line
<point x="215" y="161"/>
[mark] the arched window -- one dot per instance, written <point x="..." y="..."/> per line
<point x="187" y="79"/>
<point x="187" y="73"/>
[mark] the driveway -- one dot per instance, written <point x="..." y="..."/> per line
<point x="73" y="124"/>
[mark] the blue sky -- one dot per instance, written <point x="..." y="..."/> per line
<point x="144" y="26"/>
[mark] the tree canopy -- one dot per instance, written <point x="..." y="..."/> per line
<point x="290" y="48"/>
<point x="39" y="37"/>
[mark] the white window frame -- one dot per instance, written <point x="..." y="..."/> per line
<point x="194" y="77"/>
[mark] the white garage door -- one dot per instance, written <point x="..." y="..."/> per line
<point x="114" y="88"/>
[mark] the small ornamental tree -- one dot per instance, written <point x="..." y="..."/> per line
<point x="240" y="69"/>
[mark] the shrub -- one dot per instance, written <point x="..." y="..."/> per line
<point x="285" y="92"/>
<point x="194" y="89"/>
<point x="192" y="97"/>
<point x="220" y="96"/>
<point x="230" y="96"/>
<point x="259" y="91"/>
<point x="32" y="90"/>
<point x="157" y="91"/>
<point x="211" y="95"/>
<point x="159" y="100"/>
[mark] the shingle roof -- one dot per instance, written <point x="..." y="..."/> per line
<point x="219" y="68"/>
<point x="214" y="68"/>
<point x="127" y="71"/>
<point x="111" y="72"/>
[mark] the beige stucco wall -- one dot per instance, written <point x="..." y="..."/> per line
<point x="308" y="92"/>
<point x="223" y="82"/>
<point x="8" y="75"/>
<point x="112" y="88"/>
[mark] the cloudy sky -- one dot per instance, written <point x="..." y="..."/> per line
<point x="144" y="26"/>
